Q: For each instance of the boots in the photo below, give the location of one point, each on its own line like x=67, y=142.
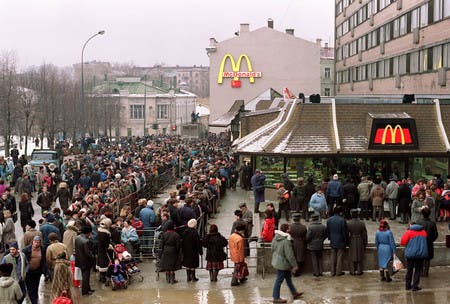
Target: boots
x=167, y=277
x=211, y=275
x=216, y=273
x=172, y=278
x=382, y=277
x=194, y=279
x=388, y=276
x=188, y=275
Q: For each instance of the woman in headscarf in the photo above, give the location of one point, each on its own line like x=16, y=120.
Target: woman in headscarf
x=62, y=281
x=385, y=244
x=103, y=245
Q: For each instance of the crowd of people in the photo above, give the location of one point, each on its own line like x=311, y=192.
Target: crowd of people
x=98, y=200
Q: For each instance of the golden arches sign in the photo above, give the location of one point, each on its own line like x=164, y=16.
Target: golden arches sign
x=393, y=133
x=235, y=67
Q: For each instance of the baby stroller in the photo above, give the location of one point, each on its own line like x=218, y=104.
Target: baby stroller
x=156, y=250
x=128, y=265
x=116, y=273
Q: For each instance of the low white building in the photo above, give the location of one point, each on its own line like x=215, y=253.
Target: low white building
x=144, y=108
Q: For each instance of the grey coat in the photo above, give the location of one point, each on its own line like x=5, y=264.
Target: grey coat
x=316, y=234
x=298, y=234
x=357, y=239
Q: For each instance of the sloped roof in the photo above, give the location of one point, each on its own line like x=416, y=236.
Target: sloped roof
x=114, y=87
x=309, y=130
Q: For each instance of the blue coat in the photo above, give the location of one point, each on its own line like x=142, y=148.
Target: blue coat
x=384, y=241
x=337, y=232
x=147, y=216
x=335, y=189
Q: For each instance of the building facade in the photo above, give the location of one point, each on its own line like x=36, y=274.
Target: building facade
x=246, y=65
x=392, y=47
x=145, y=108
x=326, y=70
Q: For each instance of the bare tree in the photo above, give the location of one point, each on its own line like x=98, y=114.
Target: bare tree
x=27, y=103
x=8, y=95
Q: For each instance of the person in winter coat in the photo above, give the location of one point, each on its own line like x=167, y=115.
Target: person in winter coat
x=9, y=230
x=30, y=233
x=19, y=262
x=214, y=243
x=337, y=233
x=350, y=197
x=364, y=188
x=104, y=248
x=62, y=282
x=316, y=234
x=377, y=195
x=417, y=206
x=334, y=193
x=268, y=229
x=10, y=292
x=318, y=203
x=236, y=245
x=170, y=253
x=299, y=197
x=283, y=260
x=385, y=244
x=129, y=236
x=416, y=251
x=392, y=196
x=69, y=238
x=36, y=260
x=298, y=235
x=258, y=185
x=63, y=196
x=432, y=234
x=192, y=248
x=45, y=201
x=84, y=258
x=26, y=210
x=404, y=202
x=357, y=243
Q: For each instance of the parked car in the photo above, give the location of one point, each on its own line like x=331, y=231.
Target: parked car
x=41, y=156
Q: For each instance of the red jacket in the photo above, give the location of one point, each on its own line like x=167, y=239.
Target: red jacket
x=268, y=230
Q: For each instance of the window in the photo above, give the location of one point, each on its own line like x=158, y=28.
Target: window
x=373, y=71
x=446, y=55
x=339, y=8
x=345, y=51
x=387, y=32
x=136, y=112
x=362, y=44
x=415, y=17
x=353, y=48
x=403, y=25
x=327, y=74
x=446, y=8
x=162, y=111
x=414, y=62
x=437, y=10
x=395, y=66
x=327, y=91
x=345, y=27
x=426, y=60
x=424, y=15
x=396, y=28
x=381, y=69
x=403, y=64
x=437, y=57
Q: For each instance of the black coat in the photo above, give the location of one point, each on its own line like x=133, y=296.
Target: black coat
x=63, y=195
x=84, y=258
x=404, y=199
x=192, y=248
x=298, y=234
x=432, y=235
x=103, y=242
x=214, y=244
x=170, y=254
x=357, y=240
x=26, y=212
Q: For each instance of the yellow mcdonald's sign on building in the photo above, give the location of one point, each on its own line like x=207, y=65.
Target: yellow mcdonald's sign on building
x=235, y=72
x=396, y=135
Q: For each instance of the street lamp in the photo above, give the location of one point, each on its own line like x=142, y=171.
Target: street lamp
x=83, y=123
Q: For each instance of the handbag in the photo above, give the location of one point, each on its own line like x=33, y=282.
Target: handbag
x=397, y=264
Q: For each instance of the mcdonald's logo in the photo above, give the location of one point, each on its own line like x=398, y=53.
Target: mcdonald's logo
x=393, y=136
x=236, y=73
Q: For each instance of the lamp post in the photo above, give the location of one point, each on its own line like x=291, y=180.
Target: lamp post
x=83, y=122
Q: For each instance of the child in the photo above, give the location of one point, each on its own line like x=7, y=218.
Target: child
x=118, y=275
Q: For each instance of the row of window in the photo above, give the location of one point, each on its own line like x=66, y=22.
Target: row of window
x=137, y=111
x=361, y=15
x=426, y=60
x=419, y=17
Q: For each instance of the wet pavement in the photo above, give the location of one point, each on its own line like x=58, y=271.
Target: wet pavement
x=346, y=289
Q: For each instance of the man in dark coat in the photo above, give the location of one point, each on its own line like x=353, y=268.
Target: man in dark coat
x=258, y=180
x=298, y=234
x=432, y=234
x=357, y=243
x=316, y=234
x=170, y=259
x=337, y=233
x=298, y=198
x=350, y=196
x=192, y=248
x=84, y=258
x=44, y=200
x=239, y=221
x=35, y=256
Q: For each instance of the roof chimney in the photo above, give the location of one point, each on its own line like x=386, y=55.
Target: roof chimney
x=245, y=28
x=319, y=41
x=270, y=23
x=290, y=32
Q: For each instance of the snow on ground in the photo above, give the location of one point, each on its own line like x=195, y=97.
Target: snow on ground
x=30, y=147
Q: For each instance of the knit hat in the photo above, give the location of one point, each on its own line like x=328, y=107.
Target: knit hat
x=105, y=223
x=86, y=229
x=150, y=203
x=192, y=223
x=14, y=245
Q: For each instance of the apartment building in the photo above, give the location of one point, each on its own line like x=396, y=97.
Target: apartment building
x=392, y=48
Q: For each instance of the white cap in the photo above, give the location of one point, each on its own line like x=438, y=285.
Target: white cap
x=335, y=176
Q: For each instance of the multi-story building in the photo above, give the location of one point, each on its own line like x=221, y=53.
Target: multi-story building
x=254, y=61
x=326, y=70
x=392, y=48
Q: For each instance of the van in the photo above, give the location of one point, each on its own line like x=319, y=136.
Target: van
x=41, y=156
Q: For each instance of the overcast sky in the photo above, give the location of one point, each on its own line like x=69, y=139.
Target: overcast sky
x=146, y=32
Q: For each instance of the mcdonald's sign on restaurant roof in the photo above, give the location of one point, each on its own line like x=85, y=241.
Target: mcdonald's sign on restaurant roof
x=236, y=72
x=393, y=134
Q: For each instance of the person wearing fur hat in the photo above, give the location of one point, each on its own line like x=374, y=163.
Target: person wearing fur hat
x=192, y=248
x=103, y=246
x=19, y=263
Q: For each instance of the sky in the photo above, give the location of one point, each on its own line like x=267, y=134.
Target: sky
x=146, y=32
